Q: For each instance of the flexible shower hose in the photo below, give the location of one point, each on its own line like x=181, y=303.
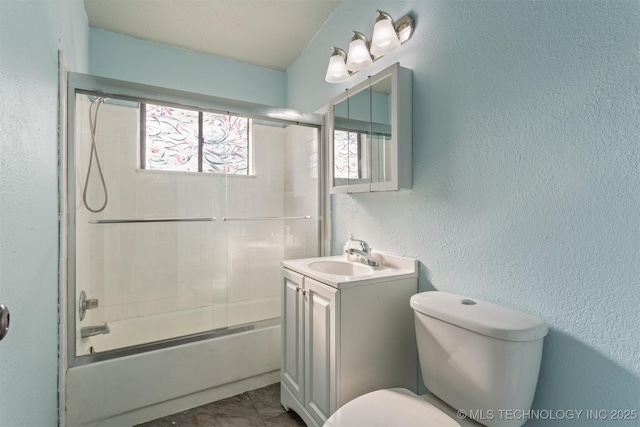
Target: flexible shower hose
x=93, y=123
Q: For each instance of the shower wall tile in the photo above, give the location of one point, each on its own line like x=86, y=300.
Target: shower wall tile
x=252, y=310
x=189, y=272
x=113, y=297
x=127, y=311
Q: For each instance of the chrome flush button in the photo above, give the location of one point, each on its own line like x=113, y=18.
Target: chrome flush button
x=467, y=302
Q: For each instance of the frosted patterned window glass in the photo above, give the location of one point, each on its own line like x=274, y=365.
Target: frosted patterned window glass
x=346, y=154
x=172, y=139
x=226, y=144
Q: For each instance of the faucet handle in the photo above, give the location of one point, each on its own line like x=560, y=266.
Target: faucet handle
x=86, y=304
x=364, y=245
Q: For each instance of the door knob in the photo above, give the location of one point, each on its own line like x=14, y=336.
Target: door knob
x=4, y=321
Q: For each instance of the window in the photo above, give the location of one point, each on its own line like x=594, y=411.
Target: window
x=346, y=154
x=183, y=140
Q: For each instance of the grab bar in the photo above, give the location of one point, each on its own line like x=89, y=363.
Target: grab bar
x=264, y=218
x=89, y=331
x=124, y=221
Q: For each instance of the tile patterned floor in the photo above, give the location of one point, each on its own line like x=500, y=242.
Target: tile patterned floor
x=260, y=408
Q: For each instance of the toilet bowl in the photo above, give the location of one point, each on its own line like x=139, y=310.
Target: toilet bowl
x=398, y=407
x=478, y=359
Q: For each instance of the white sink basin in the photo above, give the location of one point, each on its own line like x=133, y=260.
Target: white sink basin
x=341, y=268
x=336, y=271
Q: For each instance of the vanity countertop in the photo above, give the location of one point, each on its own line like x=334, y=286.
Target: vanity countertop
x=339, y=273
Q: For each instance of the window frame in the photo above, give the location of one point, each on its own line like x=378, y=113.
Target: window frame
x=201, y=140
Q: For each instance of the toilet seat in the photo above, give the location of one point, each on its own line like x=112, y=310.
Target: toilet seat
x=390, y=407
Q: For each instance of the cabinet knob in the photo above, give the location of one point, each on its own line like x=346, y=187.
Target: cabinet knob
x=297, y=288
x=304, y=292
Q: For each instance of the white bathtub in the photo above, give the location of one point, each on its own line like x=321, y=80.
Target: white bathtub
x=137, y=388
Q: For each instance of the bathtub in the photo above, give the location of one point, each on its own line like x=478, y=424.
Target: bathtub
x=139, y=387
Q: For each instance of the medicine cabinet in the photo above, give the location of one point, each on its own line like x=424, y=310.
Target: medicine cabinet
x=370, y=134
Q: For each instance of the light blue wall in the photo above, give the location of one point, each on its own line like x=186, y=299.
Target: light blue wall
x=526, y=160
x=127, y=58
x=31, y=32
x=526, y=172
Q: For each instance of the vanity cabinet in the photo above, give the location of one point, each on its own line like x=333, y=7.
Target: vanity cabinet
x=370, y=134
x=340, y=343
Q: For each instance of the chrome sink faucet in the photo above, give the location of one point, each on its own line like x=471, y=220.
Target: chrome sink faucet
x=365, y=253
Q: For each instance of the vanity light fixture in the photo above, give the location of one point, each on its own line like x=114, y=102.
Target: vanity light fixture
x=388, y=35
x=358, y=56
x=337, y=70
x=385, y=39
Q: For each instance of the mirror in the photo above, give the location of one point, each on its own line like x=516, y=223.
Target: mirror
x=351, y=132
x=380, y=136
x=370, y=134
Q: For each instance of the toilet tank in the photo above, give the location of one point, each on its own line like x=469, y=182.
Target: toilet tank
x=478, y=357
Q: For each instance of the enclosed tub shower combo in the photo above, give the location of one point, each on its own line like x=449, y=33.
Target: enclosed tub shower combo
x=179, y=209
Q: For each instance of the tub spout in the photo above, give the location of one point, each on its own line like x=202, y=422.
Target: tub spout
x=89, y=331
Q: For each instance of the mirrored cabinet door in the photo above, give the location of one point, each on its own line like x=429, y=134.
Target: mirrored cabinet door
x=380, y=137
x=351, y=141
x=371, y=134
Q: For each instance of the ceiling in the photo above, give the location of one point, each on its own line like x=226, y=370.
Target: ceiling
x=267, y=33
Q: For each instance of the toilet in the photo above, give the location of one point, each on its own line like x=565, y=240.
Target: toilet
x=480, y=362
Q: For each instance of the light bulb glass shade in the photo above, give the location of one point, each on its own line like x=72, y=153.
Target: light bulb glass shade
x=337, y=70
x=358, y=56
x=384, y=40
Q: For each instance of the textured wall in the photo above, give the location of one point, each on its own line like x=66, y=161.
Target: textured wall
x=127, y=58
x=31, y=32
x=526, y=161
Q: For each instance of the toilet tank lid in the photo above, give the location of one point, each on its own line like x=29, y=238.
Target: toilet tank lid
x=479, y=316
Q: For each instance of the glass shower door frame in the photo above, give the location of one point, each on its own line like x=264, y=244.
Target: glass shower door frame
x=128, y=91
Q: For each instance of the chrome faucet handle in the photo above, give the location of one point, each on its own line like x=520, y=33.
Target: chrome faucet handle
x=364, y=245
x=85, y=304
x=366, y=256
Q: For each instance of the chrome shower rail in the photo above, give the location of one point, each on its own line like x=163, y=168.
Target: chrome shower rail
x=244, y=218
x=134, y=220
x=263, y=218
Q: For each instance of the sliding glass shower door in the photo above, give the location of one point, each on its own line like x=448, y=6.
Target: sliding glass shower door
x=179, y=218
x=271, y=215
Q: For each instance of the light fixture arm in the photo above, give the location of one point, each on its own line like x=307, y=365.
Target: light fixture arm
x=357, y=35
x=404, y=28
x=338, y=51
x=384, y=15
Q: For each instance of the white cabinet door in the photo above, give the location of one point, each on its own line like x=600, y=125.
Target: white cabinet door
x=293, y=333
x=320, y=349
